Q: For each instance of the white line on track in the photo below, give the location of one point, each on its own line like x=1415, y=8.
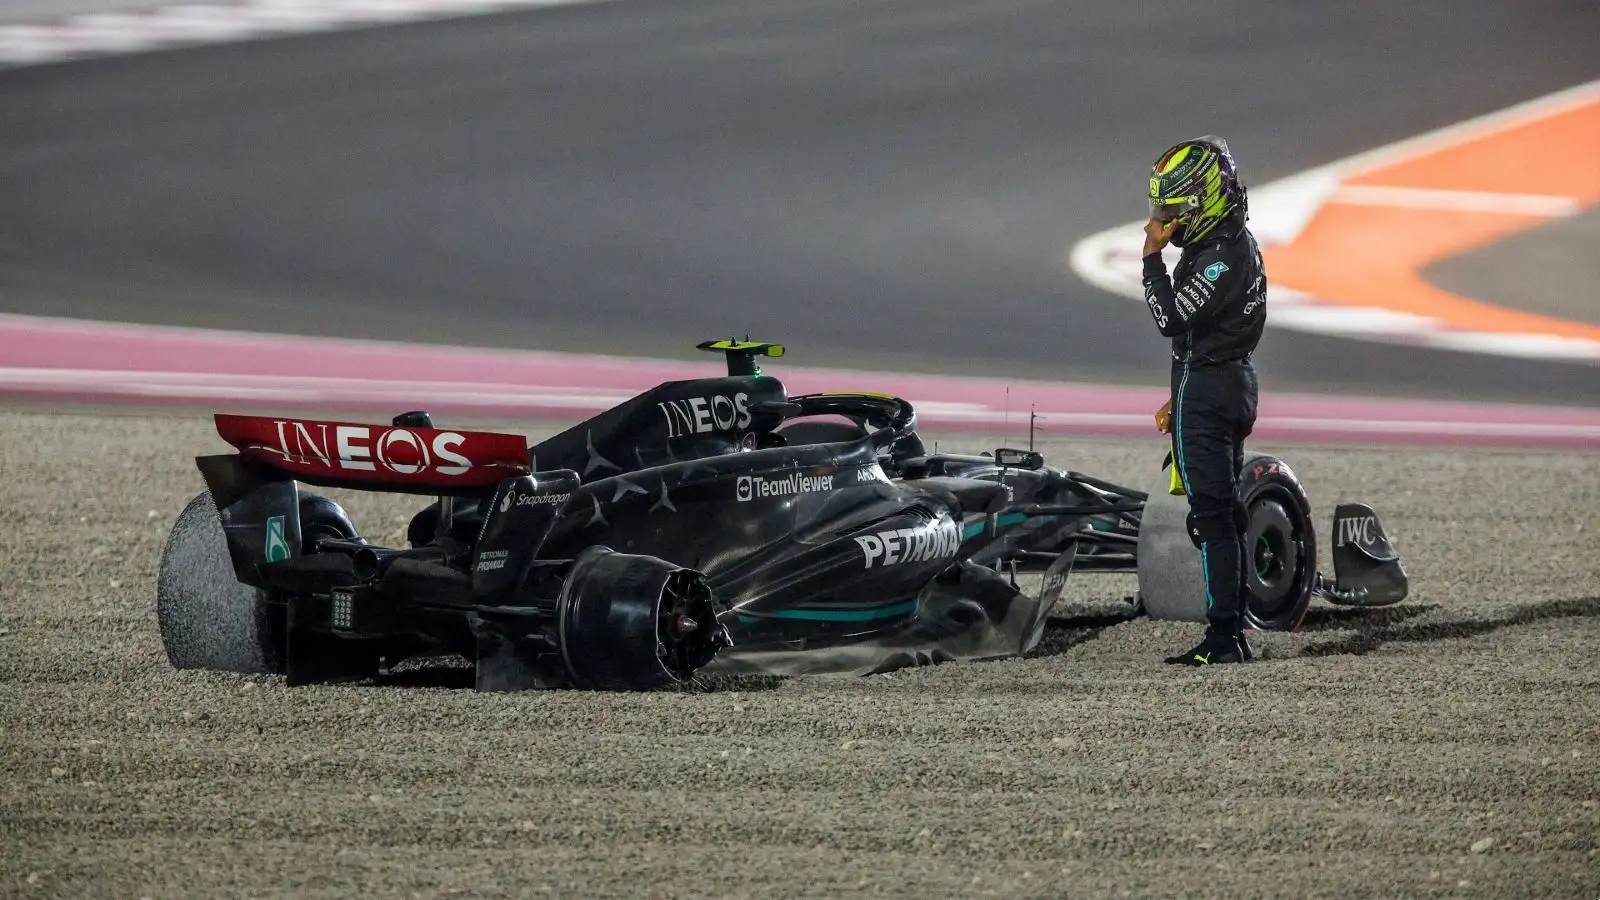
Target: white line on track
x=1110, y=259
x=187, y=25
x=1456, y=201
x=317, y=390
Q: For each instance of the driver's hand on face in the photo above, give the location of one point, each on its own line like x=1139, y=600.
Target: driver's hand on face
x=1157, y=233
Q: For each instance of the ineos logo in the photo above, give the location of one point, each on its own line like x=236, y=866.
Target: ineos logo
x=354, y=447
x=703, y=415
x=385, y=449
x=1155, y=309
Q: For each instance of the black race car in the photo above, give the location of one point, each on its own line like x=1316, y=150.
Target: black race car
x=714, y=524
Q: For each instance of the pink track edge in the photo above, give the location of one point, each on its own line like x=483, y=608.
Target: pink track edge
x=102, y=363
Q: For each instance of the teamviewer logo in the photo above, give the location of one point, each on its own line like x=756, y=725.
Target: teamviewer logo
x=745, y=489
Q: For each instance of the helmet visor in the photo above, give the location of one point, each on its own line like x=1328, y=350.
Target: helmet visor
x=1174, y=208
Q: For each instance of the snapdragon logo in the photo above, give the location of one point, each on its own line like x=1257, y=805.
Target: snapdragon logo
x=754, y=487
x=512, y=498
x=936, y=540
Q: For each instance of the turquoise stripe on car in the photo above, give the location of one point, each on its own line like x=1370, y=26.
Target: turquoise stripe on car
x=898, y=608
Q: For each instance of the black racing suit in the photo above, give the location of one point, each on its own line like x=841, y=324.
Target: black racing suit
x=1214, y=308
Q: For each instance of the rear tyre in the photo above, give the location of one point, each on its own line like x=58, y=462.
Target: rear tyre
x=208, y=619
x=1280, y=551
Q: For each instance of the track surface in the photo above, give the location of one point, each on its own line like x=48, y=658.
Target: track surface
x=894, y=182
x=1560, y=256
x=1445, y=747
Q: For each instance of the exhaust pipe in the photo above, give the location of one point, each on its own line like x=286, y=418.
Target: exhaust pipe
x=370, y=564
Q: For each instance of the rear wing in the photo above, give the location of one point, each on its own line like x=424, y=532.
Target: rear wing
x=257, y=495
x=392, y=458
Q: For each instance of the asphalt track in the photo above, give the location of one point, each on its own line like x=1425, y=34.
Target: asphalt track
x=889, y=184
x=1563, y=252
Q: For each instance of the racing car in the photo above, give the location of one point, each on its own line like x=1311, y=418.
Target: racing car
x=706, y=525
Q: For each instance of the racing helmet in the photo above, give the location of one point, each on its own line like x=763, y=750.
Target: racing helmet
x=1197, y=183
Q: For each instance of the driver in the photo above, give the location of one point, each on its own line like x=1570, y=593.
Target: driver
x=1213, y=307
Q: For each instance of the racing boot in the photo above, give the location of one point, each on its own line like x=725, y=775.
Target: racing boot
x=1214, y=649
x=1246, y=652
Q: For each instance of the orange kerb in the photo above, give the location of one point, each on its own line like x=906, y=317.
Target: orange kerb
x=1372, y=255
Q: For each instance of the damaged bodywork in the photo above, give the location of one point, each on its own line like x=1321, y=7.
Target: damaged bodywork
x=714, y=524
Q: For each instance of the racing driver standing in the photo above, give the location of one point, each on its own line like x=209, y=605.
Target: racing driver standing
x=1213, y=307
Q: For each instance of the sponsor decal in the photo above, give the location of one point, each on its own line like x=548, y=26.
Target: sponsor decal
x=277, y=549
x=935, y=540
x=871, y=475
x=1361, y=531
x=515, y=499
x=371, y=449
x=541, y=499
x=490, y=560
x=755, y=487
x=704, y=415
x=1155, y=308
x=1186, y=302
x=1215, y=270
x=1053, y=581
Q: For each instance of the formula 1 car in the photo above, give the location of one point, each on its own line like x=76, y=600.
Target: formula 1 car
x=705, y=525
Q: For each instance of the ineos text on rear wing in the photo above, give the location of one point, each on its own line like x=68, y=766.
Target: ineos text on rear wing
x=378, y=457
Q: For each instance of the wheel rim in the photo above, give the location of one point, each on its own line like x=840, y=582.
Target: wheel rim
x=688, y=633
x=1278, y=565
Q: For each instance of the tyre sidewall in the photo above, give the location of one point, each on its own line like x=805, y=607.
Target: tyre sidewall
x=207, y=618
x=1265, y=477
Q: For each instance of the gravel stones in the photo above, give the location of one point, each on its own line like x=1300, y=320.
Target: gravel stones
x=1441, y=747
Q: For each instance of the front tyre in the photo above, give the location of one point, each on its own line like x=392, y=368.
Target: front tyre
x=1280, y=558
x=208, y=619
x=1280, y=546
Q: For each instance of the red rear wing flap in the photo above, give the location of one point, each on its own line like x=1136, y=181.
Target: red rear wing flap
x=377, y=455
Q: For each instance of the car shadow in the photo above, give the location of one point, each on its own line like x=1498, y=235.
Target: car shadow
x=724, y=684
x=1064, y=633
x=1370, y=635
x=460, y=676
x=1346, y=617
